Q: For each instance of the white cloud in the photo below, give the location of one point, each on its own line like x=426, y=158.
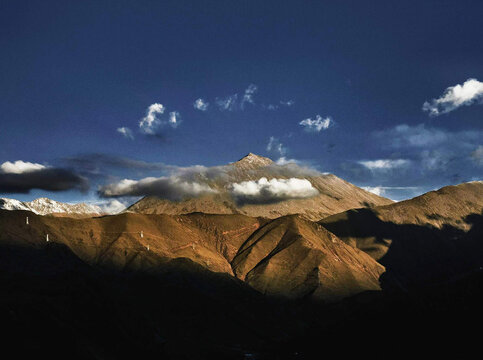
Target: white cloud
x=287, y=103
x=268, y=191
x=20, y=167
x=477, y=155
x=174, y=119
x=284, y=161
x=388, y=190
x=113, y=206
x=248, y=96
x=455, y=96
x=171, y=188
x=201, y=104
x=275, y=145
x=317, y=124
x=384, y=164
x=228, y=103
x=126, y=132
x=378, y=190
x=151, y=120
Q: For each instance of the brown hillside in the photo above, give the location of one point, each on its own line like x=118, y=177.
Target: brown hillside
x=335, y=194
x=421, y=239
x=289, y=256
x=293, y=257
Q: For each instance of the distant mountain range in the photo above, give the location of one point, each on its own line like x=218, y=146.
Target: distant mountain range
x=45, y=206
x=195, y=283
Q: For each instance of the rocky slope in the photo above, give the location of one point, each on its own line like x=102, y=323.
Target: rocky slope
x=334, y=194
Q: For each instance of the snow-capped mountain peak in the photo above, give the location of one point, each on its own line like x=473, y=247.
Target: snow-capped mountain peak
x=44, y=206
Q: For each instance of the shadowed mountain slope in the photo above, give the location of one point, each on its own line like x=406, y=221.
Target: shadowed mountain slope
x=295, y=258
x=433, y=237
x=288, y=257
x=335, y=195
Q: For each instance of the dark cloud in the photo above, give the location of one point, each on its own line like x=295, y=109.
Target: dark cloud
x=171, y=188
x=50, y=179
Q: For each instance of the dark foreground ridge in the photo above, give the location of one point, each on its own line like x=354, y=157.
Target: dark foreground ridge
x=235, y=287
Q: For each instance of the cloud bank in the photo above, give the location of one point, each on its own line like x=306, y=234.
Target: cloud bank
x=470, y=92
x=264, y=191
x=171, y=188
x=22, y=177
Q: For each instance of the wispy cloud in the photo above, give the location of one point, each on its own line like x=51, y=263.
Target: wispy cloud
x=318, y=124
x=174, y=119
x=477, y=155
x=274, y=145
x=470, y=92
x=228, y=103
x=384, y=164
x=201, y=104
x=126, y=132
x=384, y=190
x=248, y=95
x=287, y=103
x=263, y=191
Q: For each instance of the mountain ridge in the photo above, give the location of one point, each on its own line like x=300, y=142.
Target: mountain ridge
x=334, y=194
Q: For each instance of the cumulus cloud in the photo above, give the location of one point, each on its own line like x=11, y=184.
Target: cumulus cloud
x=171, y=188
x=384, y=164
x=274, y=145
x=201, y=104
x=151, y=120
x=22, y=177
x=263, y=191
x=318, y=124
x=154, y=120
x=126, y=132
x=477, y=155
x=19, y=167
x=470, y=92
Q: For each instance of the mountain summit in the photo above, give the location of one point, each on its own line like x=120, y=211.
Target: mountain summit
x=257, y=186
x=253, y=161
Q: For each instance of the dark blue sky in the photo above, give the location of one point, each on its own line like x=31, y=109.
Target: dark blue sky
x=72, y=73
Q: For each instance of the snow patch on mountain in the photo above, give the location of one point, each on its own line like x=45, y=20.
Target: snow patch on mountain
x=44, y=206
